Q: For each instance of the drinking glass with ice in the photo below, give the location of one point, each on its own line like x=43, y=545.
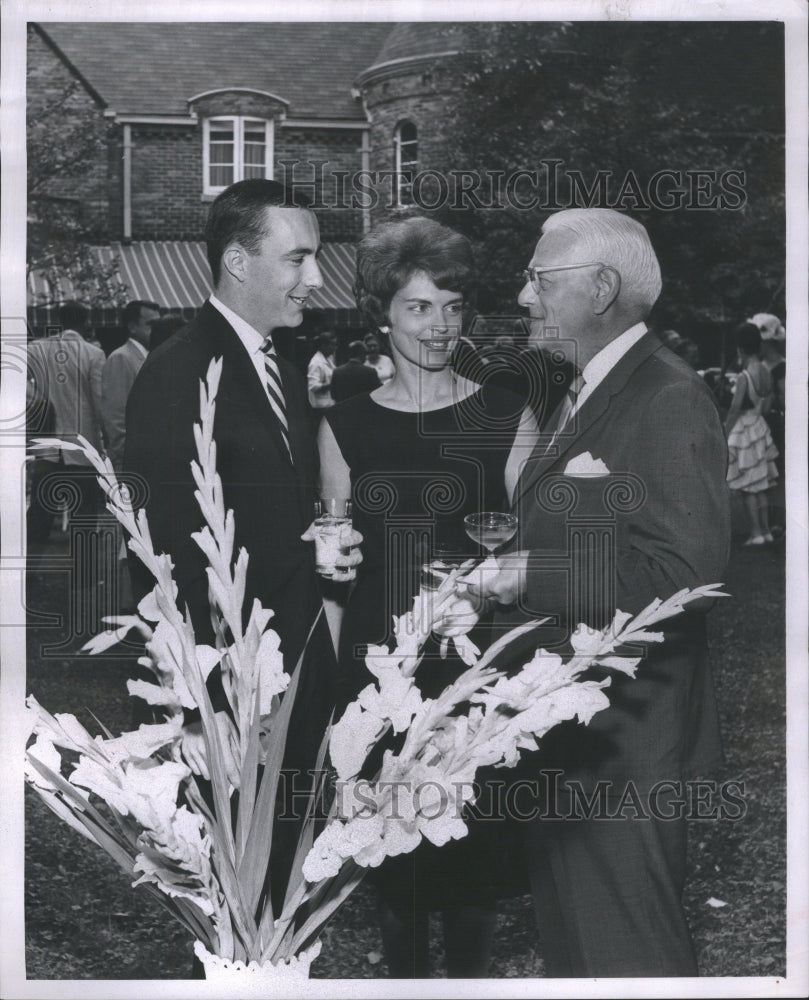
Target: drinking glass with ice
x=331, y=527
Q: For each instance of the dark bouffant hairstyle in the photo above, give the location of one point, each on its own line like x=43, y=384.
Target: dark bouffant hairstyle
x=394, y=251
x=748, y=338
x=237, y=216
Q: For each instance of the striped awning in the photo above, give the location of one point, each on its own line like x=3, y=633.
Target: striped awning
x=176, y=275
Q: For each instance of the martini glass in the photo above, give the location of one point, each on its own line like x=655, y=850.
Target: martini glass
x=491, y=528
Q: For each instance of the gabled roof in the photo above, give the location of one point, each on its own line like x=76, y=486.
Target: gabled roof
x=154, y=68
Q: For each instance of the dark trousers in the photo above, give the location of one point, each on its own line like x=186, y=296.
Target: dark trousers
x=54, y=486
x=608, y=895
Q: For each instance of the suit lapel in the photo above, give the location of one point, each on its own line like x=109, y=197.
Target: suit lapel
x=544, y=459
x=135, y=355
x=228, y=344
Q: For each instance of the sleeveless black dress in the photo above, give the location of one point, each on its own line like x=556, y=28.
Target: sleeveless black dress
x=414, y=477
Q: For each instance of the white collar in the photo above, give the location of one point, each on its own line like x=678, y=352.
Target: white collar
x=599, y=366
x=247, y=334
x=139, y=346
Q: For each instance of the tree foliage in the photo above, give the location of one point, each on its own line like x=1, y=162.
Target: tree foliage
x=619, y=103
x=65, y=141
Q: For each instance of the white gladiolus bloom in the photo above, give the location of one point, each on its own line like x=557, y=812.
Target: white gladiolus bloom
x=324, y=860
x=154, y=694
x=270, y=670
x=46, y=753
x=149, y=607
x=142, y=742
x=397, y=699
x=351, y=738
x=166, y=657
x=170, y=883
x=151, y=791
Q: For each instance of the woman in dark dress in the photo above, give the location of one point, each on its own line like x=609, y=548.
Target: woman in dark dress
x=416, y=456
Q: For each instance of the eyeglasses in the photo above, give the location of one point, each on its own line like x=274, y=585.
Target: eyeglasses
x=532, y=274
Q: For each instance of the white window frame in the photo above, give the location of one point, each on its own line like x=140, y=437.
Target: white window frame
x=404, y=190
x=238, y=122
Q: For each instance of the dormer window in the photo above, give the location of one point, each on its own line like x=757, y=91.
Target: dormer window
x=405, y=161
x=235, y=149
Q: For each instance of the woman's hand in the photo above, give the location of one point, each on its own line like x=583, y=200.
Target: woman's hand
x=497, y=580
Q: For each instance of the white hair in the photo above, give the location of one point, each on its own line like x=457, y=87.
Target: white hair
x=602, y=234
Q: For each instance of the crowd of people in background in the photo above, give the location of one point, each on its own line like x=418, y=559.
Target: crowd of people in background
x=73, y=389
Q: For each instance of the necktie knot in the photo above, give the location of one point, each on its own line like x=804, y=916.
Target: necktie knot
x=268, y=348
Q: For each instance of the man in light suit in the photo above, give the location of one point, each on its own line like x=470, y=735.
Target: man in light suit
x=66, y=371
x=608, y=886
x=120, y=371
x=262, y=242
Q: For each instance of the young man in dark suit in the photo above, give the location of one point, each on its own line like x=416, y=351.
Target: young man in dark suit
x=623, y=500
x=262, y=242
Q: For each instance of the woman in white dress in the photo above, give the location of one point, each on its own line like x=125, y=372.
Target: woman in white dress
x=751, y=451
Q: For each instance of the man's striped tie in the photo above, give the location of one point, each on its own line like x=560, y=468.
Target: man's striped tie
x=275, y=390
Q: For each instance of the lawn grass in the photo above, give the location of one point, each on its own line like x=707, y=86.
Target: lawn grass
x=83, y=921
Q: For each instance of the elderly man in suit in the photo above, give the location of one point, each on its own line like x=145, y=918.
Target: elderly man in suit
x=120, y=370
x=262, y=243
x=607, y=881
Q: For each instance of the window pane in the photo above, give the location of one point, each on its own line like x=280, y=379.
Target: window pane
x=221, y=152
x=221, y=176
x=254, y=131
x=407, y=150
x=254, y=154
x=221, y=131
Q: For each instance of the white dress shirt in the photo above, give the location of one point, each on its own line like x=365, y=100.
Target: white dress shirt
x=318, y=375
x=253, y=341
x=598, y=367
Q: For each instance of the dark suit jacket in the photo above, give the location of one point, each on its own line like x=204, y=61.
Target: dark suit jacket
x=659, y=522
x=272, y=500
x=352, y=379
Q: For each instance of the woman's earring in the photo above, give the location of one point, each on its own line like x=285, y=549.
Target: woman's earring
x=384, y=329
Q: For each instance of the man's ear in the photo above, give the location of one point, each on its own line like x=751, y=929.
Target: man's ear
x=234, y=261
x=608, y=288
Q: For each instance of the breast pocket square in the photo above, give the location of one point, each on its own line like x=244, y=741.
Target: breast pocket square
x=586, y=465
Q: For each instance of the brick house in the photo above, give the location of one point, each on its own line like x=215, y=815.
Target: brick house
x=184, y=109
